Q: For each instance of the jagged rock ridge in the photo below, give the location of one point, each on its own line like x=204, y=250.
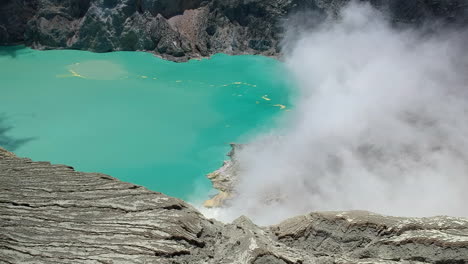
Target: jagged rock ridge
x=53, y=214
x=183, y=29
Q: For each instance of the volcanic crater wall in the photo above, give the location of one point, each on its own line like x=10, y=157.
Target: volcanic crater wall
x=183, y=29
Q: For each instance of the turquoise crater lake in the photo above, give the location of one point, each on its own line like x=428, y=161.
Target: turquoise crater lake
x=144, y=120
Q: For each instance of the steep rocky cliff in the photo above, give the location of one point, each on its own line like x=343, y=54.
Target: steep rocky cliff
x=53, y=214
x=181, y=29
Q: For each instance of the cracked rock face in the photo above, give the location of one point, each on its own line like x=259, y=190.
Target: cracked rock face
x=53, y=214
x=182, y=29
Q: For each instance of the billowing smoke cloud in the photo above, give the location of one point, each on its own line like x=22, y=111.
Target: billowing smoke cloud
x=381, y=124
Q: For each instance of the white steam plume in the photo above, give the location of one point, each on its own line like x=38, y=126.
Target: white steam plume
x=381, y=124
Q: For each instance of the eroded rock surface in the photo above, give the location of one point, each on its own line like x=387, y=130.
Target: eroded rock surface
x=183, y=29
x=53, y=214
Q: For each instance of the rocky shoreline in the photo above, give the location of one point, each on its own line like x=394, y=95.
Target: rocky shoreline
x=224, y=179
x=53, y=214
x=179, y=30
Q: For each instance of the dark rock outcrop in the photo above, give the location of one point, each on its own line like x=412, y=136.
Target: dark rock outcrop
x=14, y=16
x=53, y=214
x=182, y=29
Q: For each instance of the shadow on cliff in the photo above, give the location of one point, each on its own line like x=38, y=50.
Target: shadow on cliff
x=7, y=141
x=11, y=51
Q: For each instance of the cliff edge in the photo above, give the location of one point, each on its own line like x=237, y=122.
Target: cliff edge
x=53, y=214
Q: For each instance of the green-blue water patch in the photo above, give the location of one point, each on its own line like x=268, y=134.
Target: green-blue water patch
x=152, y=122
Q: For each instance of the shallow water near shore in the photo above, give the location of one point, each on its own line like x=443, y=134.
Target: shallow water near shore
x=139, y=118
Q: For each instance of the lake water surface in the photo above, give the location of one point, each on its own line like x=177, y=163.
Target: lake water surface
x=139, y=118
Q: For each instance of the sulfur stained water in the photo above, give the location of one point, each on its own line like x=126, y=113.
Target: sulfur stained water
x=144, y=120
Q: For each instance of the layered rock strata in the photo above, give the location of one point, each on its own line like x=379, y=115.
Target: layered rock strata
x=53, y=214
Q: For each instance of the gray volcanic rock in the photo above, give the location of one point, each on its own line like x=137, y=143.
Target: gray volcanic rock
x=53, y=214
x=183, y=29
x=363, y=235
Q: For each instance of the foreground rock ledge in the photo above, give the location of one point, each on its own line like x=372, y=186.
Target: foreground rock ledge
x=52, y=214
